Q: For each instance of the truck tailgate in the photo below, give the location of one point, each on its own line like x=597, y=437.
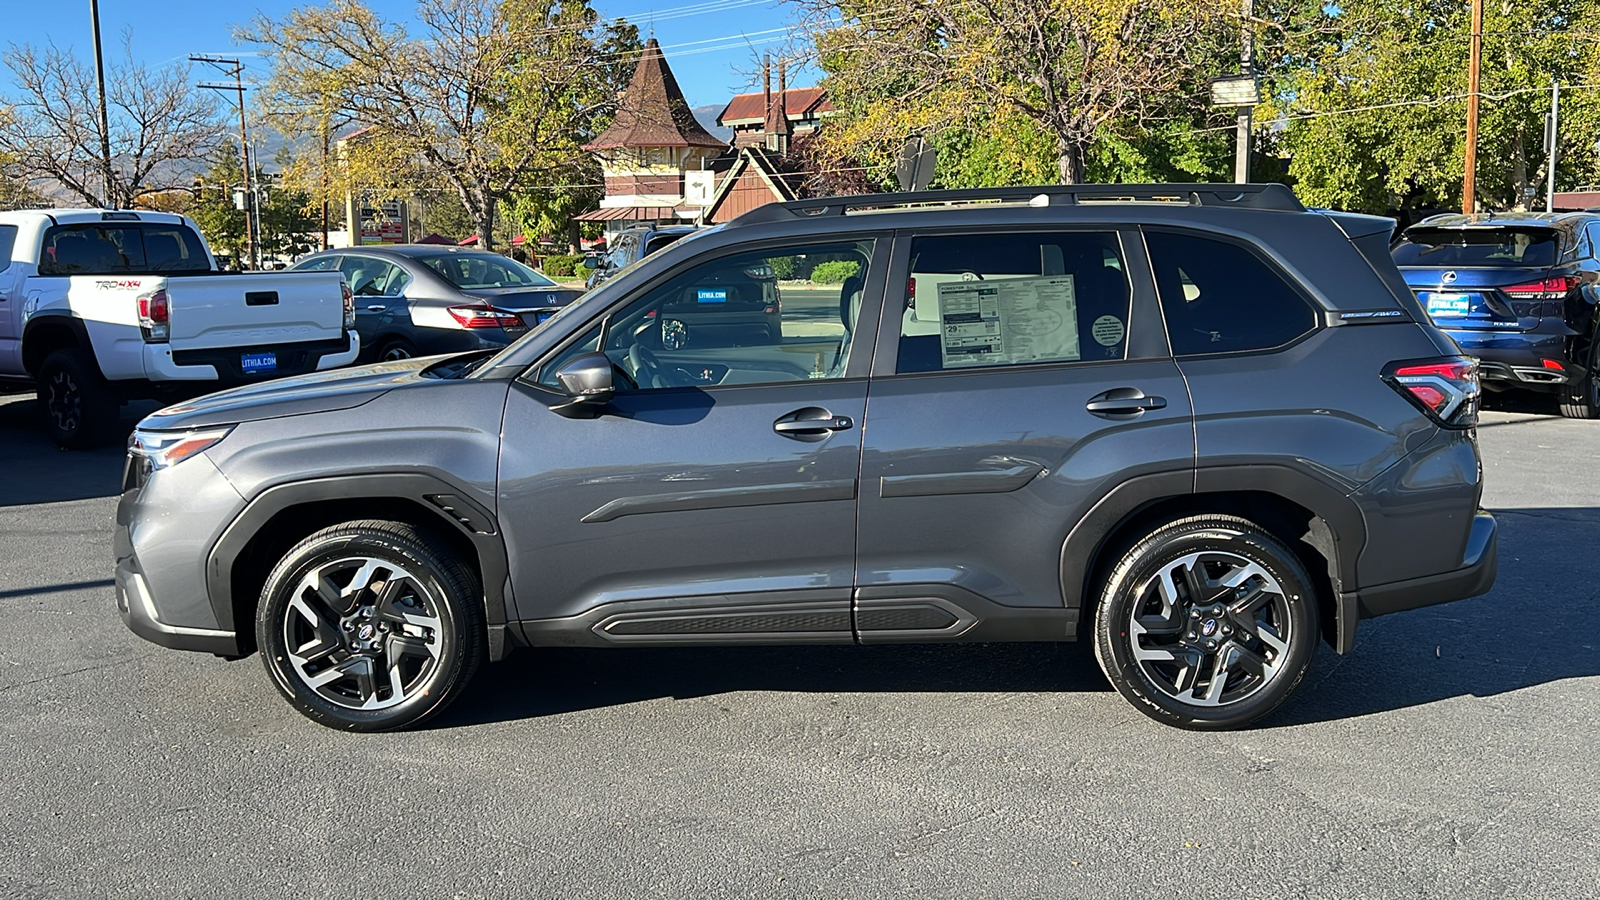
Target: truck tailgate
x=257, y=309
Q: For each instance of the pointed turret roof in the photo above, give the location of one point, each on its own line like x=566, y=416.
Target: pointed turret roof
x=652, y=111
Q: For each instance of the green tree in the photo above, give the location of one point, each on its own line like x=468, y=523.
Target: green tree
x=1006, y=81
x=1370, y=96
x=289, y=227
x=491, y=99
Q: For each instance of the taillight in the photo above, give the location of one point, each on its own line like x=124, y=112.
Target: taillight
x=1446, y=389
x=1555, y=288
x=484, y=317
x=911, y=293
x=349, y=304
x=155, y=316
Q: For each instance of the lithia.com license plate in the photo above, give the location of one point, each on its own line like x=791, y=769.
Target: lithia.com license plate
x=1449, y=305
x=255, y=363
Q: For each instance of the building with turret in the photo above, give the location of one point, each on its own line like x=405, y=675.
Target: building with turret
x=656, y=157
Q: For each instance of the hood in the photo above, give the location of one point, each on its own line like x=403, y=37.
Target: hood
x=317, y=392
x=519, y=299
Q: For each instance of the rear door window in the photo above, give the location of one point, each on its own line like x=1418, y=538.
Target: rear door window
x=1470, y=247
x=1220, y=297
x=1010, y=299
x=122, y=248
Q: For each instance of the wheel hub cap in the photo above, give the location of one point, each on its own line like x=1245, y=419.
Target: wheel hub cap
x=363, y=633
x=1210, y=629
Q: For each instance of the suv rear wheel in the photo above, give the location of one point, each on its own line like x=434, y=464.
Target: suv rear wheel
x=1208, y=623
x=364, y=626
x=1581, y=398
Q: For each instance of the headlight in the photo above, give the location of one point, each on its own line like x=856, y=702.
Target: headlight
x=168, y=448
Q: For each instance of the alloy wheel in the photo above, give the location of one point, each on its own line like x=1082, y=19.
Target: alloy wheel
x=363, y=633
x=65, y=401
x=1210, y=629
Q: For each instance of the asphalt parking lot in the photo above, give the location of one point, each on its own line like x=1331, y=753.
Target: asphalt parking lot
x=1453, y=754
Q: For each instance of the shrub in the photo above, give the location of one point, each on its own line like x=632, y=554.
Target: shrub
x=834, y=272
x=562, y=265
x=782, y=266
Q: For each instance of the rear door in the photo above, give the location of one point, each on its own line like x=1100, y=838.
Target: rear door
x=1020, y=375
x=11, y=283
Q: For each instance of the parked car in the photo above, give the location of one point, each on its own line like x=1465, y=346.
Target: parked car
x=98, y=307
x=1518, y=291
x=1203, y=431
x=630, y=246
x=424, y=299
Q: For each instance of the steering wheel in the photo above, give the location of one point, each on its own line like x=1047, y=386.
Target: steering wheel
x=646, y=368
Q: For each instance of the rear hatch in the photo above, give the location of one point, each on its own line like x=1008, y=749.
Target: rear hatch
x=254, y=310
x=1488, y=276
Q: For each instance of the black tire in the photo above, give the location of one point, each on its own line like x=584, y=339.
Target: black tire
x=1162, y=652
x=79, y=409
x=1581, y=398
x=395, y=350
x=338, y=655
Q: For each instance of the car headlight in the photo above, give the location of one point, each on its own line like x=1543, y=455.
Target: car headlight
x=161, y=449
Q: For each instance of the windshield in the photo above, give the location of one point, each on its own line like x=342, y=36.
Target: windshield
x=1467, y=247
x=484, y=270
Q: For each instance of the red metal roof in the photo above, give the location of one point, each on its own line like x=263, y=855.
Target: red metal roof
x=652, y=111
x=800, y=102
x=632, y=213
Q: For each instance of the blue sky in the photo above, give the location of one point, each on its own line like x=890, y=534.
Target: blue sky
x=707, y=42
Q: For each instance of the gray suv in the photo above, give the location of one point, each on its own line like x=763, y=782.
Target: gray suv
x=1198, y=426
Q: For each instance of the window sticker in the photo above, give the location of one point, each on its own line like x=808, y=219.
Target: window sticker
x=1107, y=331
x=1008, y=321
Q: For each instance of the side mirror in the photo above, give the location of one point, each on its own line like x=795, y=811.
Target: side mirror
x=591, y=262
x=589, y=383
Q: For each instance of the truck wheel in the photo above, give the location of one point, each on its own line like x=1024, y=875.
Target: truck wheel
x=79, y=409
x=1208, y=623
x=370, y=626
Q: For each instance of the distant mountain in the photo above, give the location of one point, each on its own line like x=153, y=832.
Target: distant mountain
x=707, y=117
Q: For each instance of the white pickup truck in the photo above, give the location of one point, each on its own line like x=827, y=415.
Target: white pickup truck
x=98, y=307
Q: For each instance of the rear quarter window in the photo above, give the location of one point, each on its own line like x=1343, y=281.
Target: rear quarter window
x=1220, y=297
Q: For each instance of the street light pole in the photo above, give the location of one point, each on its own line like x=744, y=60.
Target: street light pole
x=106, y=172
x=1552, y=141
x=1474, y=64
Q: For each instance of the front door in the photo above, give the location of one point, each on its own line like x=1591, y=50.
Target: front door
x=715, y=498
x=11, y=298
x=1022, y=377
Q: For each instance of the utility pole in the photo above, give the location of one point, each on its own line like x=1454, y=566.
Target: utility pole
x=106, y=172
x=1551, y=139
x=236, y=68
x=1247, y=40
x=1474, y=64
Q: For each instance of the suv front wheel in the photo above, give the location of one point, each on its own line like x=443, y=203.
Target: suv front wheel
x=365, y=627
x=1207, y=623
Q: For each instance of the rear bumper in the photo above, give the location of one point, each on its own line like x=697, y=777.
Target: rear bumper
x=1517, y=358
x=1476, y=576
x=222, y=365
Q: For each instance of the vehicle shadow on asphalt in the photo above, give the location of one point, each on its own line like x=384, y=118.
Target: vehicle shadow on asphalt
x=34, y=470
x=1535, y=627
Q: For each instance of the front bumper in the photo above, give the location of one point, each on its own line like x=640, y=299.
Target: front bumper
x=139, y=614
x=164, y=529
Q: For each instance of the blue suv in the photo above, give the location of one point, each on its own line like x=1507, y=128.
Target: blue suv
x=1517, y=291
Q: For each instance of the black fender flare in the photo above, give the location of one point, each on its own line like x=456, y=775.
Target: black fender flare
x=452, y=505
x=1341, y=518
x=55, y=319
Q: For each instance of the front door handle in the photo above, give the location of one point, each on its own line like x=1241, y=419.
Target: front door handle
x=812, y=423
x=1123, y=403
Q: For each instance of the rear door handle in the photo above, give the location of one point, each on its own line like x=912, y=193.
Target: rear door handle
x=813, y=423
x=376, y=308
x=1123, y=403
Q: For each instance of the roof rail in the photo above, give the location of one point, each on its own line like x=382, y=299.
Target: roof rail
x=1238, y=196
